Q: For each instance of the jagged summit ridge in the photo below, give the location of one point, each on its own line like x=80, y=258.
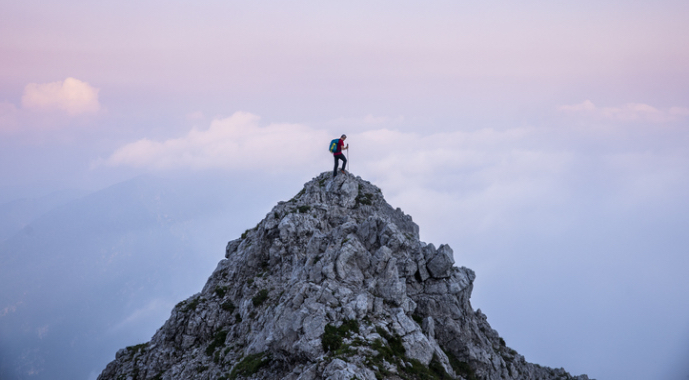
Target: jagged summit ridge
x=333, y=284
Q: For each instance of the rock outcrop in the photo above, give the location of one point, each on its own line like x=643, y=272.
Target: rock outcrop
x=333, y=284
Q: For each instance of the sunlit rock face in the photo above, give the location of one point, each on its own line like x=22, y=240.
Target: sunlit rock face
x=332, y=284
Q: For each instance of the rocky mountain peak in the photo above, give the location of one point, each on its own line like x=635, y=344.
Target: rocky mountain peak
x=332, y=284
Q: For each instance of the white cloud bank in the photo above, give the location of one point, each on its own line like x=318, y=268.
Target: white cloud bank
x=237, y=142
x=496, y=176
x=486, y=175
x=71, y=96
x=50, y=106
x=630, y=112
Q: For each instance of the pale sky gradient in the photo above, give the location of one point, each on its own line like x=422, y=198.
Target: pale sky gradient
x=545, y=142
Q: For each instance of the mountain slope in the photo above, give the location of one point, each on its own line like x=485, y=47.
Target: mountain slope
x=18, y=213
x=332, y=284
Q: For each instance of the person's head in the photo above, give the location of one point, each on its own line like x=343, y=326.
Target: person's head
x=343, y=137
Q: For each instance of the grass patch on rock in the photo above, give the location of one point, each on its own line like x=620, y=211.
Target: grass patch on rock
x=220, y=291
x=333, y=336
x=363, y=198
x=250, y=365
x=460, y=367
x=394, y=348
x=391, y=351
x=227, y=306
x=260, y=298
x=137, y=348
x=187, y=306
x=418, y=371
x=218, y=341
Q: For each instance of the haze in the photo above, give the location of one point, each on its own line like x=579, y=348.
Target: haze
x=546, y=143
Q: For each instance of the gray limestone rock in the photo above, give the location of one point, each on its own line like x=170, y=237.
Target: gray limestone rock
x=440, y=263
x=333, y=284
x=232, y=247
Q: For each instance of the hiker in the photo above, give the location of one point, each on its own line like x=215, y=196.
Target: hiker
x=337, y=154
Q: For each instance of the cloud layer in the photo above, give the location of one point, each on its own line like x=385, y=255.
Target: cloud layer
x=499, y=176
x=71, y=96
x=237, y=142
x=50, y=106
x=630, y=112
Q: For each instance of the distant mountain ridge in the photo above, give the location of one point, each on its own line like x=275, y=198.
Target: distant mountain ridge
x=333, y=284
x=17, y=214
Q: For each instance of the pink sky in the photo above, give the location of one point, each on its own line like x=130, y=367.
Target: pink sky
x=482, y=120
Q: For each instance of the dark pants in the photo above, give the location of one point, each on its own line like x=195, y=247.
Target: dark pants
x=339, y=156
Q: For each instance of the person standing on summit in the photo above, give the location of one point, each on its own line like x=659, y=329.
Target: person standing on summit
x=337, y=153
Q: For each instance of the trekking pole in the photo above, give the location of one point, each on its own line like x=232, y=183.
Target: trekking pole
x=349, y=164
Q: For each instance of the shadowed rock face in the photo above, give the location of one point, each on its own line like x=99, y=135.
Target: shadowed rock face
x=333, y=284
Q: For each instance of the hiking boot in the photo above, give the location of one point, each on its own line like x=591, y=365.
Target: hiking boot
x=343, y=172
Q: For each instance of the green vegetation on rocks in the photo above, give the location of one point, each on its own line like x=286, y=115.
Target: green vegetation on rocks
x=187, y=306
x=259, y=298
x=218, y=341
x=228, y=306
x=220, y=291
x=333, y=336
x=250, y=365
x=461, y=368
x=363, y=198
x=135, y=349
